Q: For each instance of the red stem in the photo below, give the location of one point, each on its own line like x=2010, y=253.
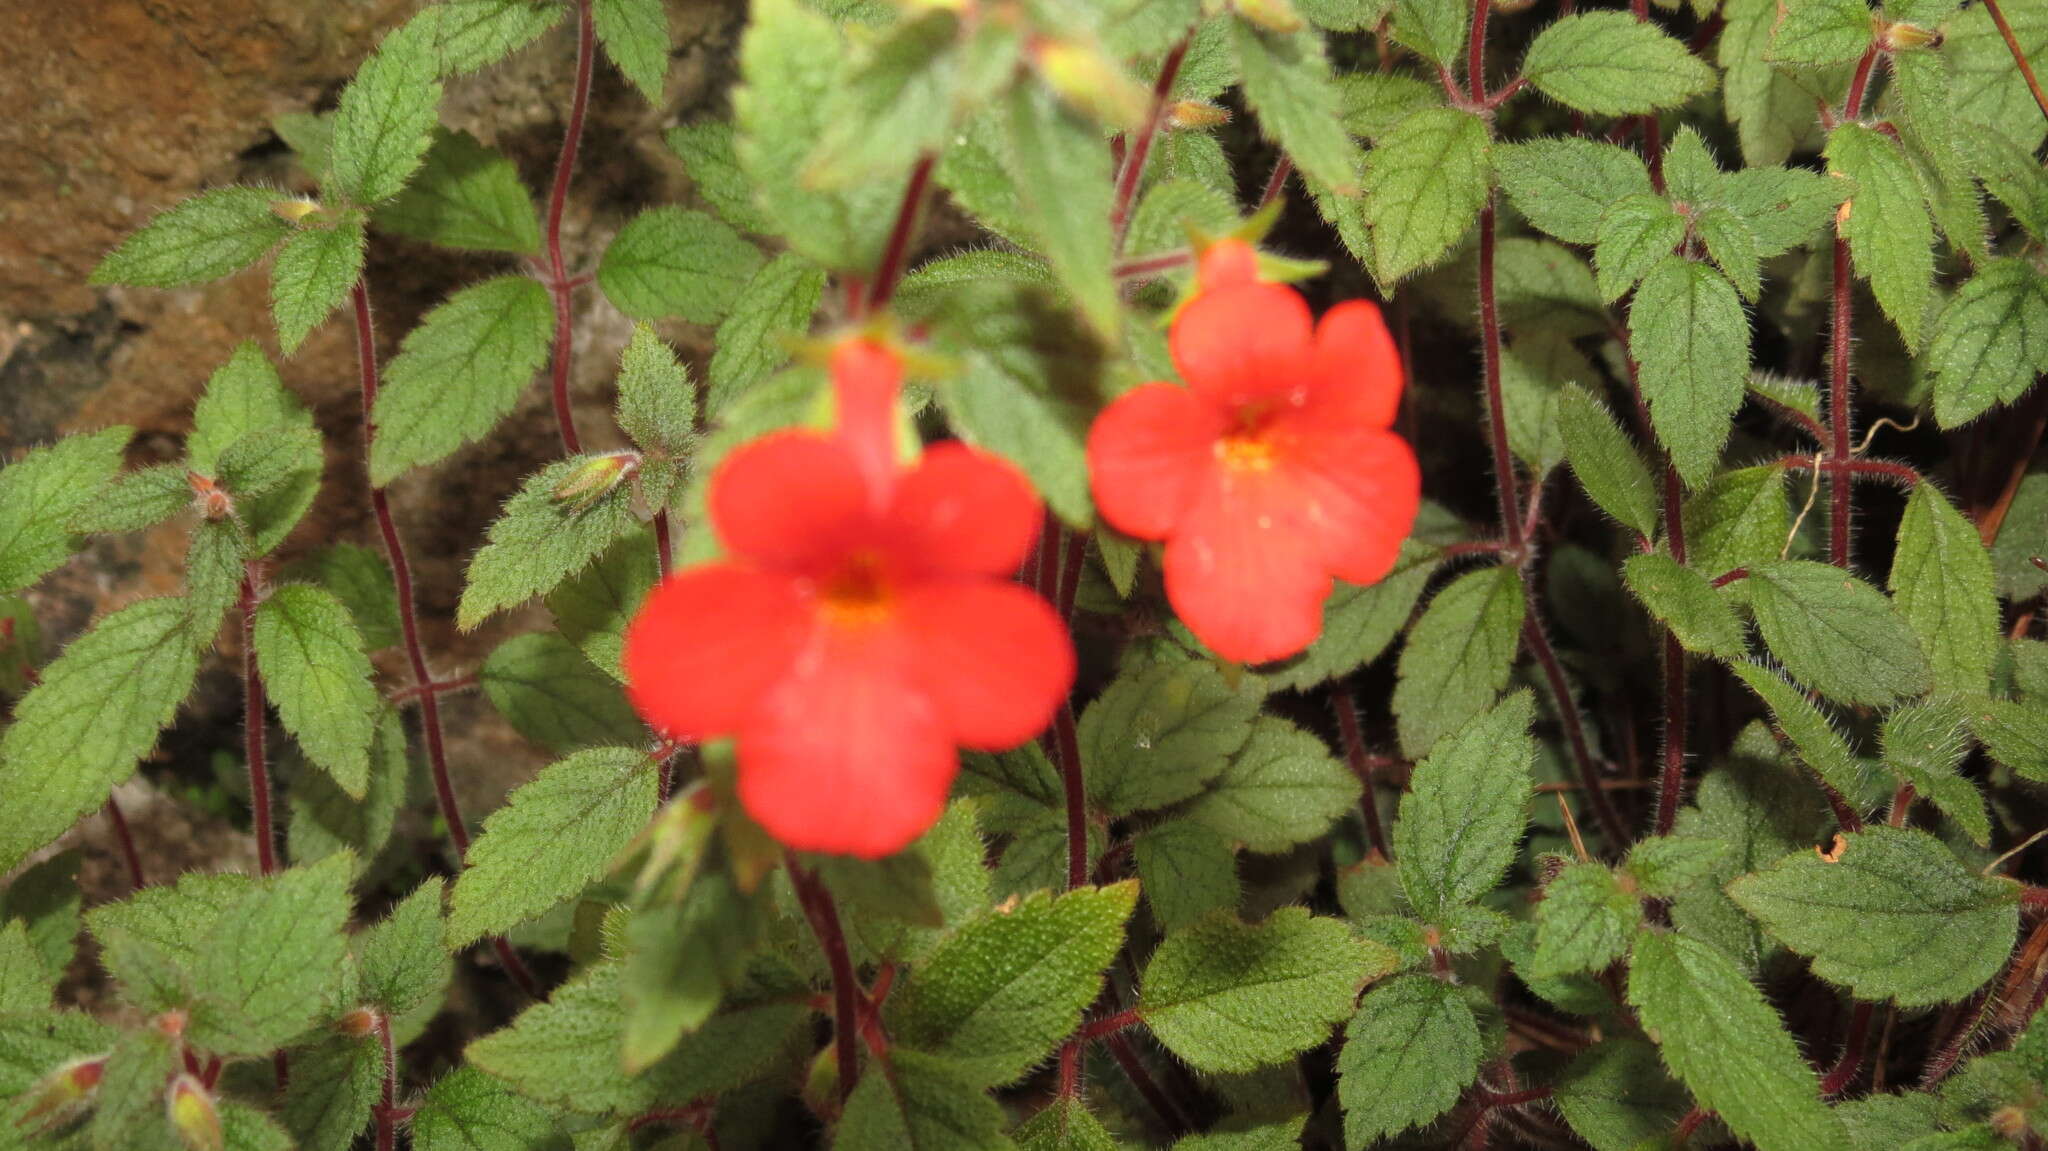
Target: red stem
x=1109, y=1025
x=558, y=200
x=387, y=1125
x=1170, y=1115
x=1277, y=182
x=1840, y=414
x=252, y=734
x=1489, y=326
x=1141, y=148
x=1475, y=54
x=1069, y=744
x=1147, y=267
x=890, y=271
x=1361, y=766
x=1071, y=564
x=2012, y=43
x=1844, y=1072
x=664, y=547
x=823, y=915
x=1574, y=727
x=125, y=839
x=1676, y=697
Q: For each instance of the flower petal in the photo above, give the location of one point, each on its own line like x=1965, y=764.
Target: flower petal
x=992, y=657
x=1355, y=492
x=1356, y=365
x=1148, y=455
x=790, y=499
x=708, y=645
x=866, y=379
x=846, y=756
x=960, y=510
x=1241, y=574
x=1243, y=344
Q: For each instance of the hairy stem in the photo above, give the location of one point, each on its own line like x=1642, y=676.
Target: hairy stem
x=1844, y=1071
x=125, y=839
x=387, y=1110
x=1361, y=766
x=1538, y=644
x=1069, y=743
x=1140, y=151
x=1676, y=697
x=823, y=916
x=558, y=200
x=252, y=733
x=1489, y=345
x=1171, y=1117
x=1839, y=414
x=896, y=254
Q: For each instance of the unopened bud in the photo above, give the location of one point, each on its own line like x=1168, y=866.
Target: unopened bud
x=63, y=1094
x=1271, y=15
x=193, y=1113
x=673, y=846
x=1196, y=114
x=820, y=1091
x=1087, y=80
x=1907, y=37
x=210, y=498
x=358, y=1023
x=596, y=478
x=171, y=1024
x=294, y=210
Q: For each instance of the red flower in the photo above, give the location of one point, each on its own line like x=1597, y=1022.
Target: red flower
x=863, y=628
x=1272, y=471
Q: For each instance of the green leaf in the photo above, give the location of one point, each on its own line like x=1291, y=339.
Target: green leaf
x=1731, y=245
x=467, y=1110
x=1424, y=186
x=245, y=398
x=555, y=696
x=465, y=196
x=706, y=149
x=312, y=660
x=459, y=372
x=562, y=1052
x=1284, y=1135
x=1891, y=238
x=1813, y=33
x=1584, y=923
x=1783, y=207
x=214, y=234
x=1925, y=745
x=1564, y=185
x=1990, y=342
x=904, y=83
x=1065, y=188
x=1616, y=1095
x=1359, y=622
x=97, y=711
x=772, y=312
x=333, y=1086
x=1466, y=805
x=635, y=35
x=312, y=275
x=1161, y=731
x=1187, y=869
x=1408, y=1054
x=1611, y=64
x=1636, y=233
x=1606, y=462
x=552, y=837
x=895, y=887
x=45, y=899
x=2009, y=174
x=670, y=262
x=1064, y=1125
x=1286, y=79
x=25, y=983
x=386, y=116
x=1772, y=113
x=1281, y=788
x=922, y=1103
x=471, y=34
x=2023, y=536
x=1458, y=656
x=1941, y=583
x=128, y=1107
x=44, y=491
x=361, y=580
x=1685, y=602
x=1369, y=103
x=1739, y=519
x=325, y=819
x=214, y=570
x=289, y=949
x=261, y=463
x=134, y=501
x=1893, y=915
x=547, y=533
x=1836, y=634
x=1435, y=29
x=1228, y=996
x=593, y=607
x=1688, y=331
x=998, y=995
x=1818, y=743
x=400, y=963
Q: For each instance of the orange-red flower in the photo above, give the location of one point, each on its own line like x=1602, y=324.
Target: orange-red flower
x=1274, y=470
x=863, y=629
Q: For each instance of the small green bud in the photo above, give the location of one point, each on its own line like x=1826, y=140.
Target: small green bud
x=63, y=1094
x=194, y=1114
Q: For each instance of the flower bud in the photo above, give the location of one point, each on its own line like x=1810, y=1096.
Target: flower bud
x=596, y=478
x=358, y=1023
x=672, y=847
x=1271, y=15
x=211, y=500
x=193, y=1113
x=294, y=210
x=1907, y=37
x=63, y=1094
x=1087, y=80
x=821, y=1084
x=1196, y=114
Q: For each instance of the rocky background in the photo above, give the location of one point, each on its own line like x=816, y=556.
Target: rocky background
x=111, y=110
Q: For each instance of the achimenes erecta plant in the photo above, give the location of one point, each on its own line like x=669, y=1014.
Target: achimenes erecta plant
x=1018, y=695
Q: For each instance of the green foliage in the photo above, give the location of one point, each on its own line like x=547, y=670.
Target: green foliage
x=1409, y=1052
x=312, y=660
x=1635, y=234
x=1458, y=655
x=1287, y=82
x=467, y=1110
x=1565, y=185
x=471, y=34
x=1814, y=33
x=1065, y=190
x=1990, y=341
x=1941, y=583
x=922, y=1104
x=1812, y=735
x=1465, y=810
x=1891, y=238
x=43, y=492
x=1606, y=463
x=1612, y=64
x=314, y=270
x=1281, y=788
x=1230, y=996
x=465, y=196
x=770, y=313
x=635, y=35
x=1686, y=603
x=214, y=234
x=1617, y=1097
x=1688, y=330
x=385, y=120
x=671, y=262
x=1585, y=922
x=1424, y=185
x=1160, y=732
x=1835, y=633
x=563, y=517
x=1187, y=870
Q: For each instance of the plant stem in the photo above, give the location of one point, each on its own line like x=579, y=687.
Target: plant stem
x=1069, y=743
x=1475, y=52
x=409, y=624
x=1169, y=1113
x=1839, y=413
x=823, y=915
x=252, y=734
x=1140, y=151
x=897, y=253
x=1574, y=727
x=1489, y=344
x=1361, y=766
x=1277, y=182
x=2019, y=57
x=387, y=1111
x=664, y=547
x=1676, y=697
x=558, y=200
x=1075, y=558
x=126, y=841
x=1844, y=1072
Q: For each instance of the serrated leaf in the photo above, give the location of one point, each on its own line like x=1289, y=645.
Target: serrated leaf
x=1563, y=185
x=44, y=898
x=1783, y=208
x=1435, y=29
x=1065, y=190
x=670, y=262
x=1893, y=915
x=999, y=994
x=325, y=819
x=1369, y=103
x=400, y=963
x=312, y=660
x=1465, y=810
x=635, y=36
x=1287, y=81
x=902, y=85
x=332, y=1088
x=1064, y=1125
x=1585, y=922
x=1161, y=731
x=134, y=501
x=465, y=196
x=1990, y=342
x=1408, y=1054
x=1732, y=247
x=96, y=712
x=1606, y=462
x=593, y=607
x=657, y=406
x=552, y=837
x=467, y=1110
x=26, y=984
x=43, y=492
x=1616, y=1095
x=312, y=275
x=1836, y=634
x=1813, y=33
x=385, y=119
x=1281, y=788
x=467, y=35
x=244, y=398
x=921, y=1104
x=1360, y=622
x=1229, y=996
x=459, y=372
x=1925, y=744
x=1739, y=519
x=1685, y=602
x=541, y=539
x=1458, y=656
x=361, y=580
x=1773, y=115
x=289, y=948
x=546, y=1053
x=1424, y=185
x=1941, y=583
x=1187, y=870
x=553, y=695
x=1815, y=738
x=706, y=149
x=767, y=318
x=1715, y=1030
x=2009, y=174
x=1636, y=233
x=214, y=234
x=1891, y=237
x=214, y=570
x=1611, y=64
x=1688, y=331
